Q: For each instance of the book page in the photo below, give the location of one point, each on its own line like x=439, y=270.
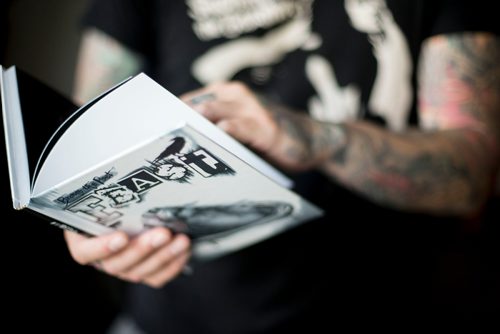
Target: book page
x=134, y=112
x=186, y=182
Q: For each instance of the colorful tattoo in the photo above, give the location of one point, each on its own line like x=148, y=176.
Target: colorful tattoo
x=447, y=166
x=103, y=62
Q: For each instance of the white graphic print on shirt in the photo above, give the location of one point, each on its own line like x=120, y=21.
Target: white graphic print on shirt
x=391, y=96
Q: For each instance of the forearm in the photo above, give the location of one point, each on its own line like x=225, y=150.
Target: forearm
x=442, y=172
x=445, y=167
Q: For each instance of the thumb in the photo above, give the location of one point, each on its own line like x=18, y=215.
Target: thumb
x=85, y=250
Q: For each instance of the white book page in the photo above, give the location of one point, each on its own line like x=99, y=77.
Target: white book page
x=183, y=181
x=135, y=112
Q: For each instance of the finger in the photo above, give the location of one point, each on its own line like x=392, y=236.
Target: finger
x=202, y=98
x=248, y=132
x=138, y=249
x=218, y=110
x=87, y=250
x=222, y=90
x=235, y=128
x=160, y=259
x=191, y=97
x=163, y=276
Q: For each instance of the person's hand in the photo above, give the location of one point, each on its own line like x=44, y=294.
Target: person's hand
x=235, y=109
x=293, y=141
x=154, y=257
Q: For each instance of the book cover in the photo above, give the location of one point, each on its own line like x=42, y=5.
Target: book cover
x=137, y=157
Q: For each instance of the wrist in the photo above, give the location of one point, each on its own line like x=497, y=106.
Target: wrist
x=287, y=151
x=302, y=143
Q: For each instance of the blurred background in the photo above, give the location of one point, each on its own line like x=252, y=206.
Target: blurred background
x=42, y=38
x=44, y=288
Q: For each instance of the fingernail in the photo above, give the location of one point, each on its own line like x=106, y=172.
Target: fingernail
x=178, y=246
x=117, y=243
x=158, y=240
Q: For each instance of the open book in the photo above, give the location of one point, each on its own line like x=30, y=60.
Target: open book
x=137, y=157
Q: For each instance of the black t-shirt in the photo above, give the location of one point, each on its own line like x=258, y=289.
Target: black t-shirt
x=338, y=60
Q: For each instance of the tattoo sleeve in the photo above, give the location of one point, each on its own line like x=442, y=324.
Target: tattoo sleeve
x=102, y=63
x=305, y=143
x=448, y=165
x=445, y=167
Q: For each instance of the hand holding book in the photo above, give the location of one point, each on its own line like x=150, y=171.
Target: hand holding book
x=155, y=257
x=136, y=158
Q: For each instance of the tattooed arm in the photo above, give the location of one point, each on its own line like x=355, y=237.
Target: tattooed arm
x=102, y=63
x=445, y=167
x=449, y=165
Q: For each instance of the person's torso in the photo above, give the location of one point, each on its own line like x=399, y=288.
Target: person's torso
x=338, y=61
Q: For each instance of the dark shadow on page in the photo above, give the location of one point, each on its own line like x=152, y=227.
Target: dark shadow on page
x=43, y=110
x=47, y=114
